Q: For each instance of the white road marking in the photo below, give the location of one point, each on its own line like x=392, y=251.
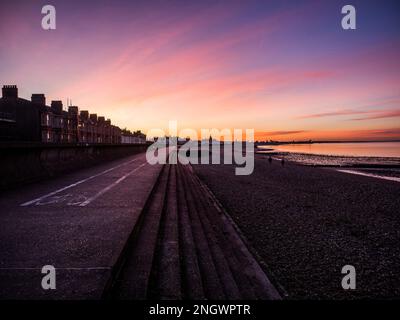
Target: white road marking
x=75, y=184
x=83, y=204
x=77, y=200
x=58, y=268
x=370, y=175
x=53, y=200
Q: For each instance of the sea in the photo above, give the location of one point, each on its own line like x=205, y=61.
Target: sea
x=375, y=159
x=350, y=149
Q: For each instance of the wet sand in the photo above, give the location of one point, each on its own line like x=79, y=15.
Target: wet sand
x=306, y=223
x=320, y=160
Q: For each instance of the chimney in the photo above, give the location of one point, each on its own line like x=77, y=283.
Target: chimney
x=38, y=98
x=93, y=117
x=57, y=106
x=84, y=115
x=10, y=91
x=73, y=110
x=101, y=120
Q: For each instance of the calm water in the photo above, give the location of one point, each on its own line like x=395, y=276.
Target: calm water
x=367, y=149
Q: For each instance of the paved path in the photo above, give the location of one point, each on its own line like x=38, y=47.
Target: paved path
x=79, y=223
x=125, y=230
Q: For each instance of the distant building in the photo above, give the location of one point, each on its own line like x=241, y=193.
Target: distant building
x=127, y=137
x=19, y=118
x=84, y=130
x=24, y=120
x=58, y=121
x=46, y=117
x=73, y=122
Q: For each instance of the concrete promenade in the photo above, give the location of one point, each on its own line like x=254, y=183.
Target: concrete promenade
x=78, y=222
x=124, y=230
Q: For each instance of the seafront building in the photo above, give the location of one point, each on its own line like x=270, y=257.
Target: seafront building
x=24, y=120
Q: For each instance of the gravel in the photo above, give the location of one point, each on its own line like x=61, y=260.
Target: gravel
x=307, y=223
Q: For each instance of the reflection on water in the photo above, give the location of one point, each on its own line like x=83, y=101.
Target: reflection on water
x=365, y=149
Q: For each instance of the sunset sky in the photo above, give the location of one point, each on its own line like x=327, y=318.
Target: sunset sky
x=285, y=68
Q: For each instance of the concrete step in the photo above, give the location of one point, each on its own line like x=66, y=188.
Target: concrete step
x=217, y=246
x=250, y=278
x=185, y=246
x=220, y=231
x=133, y=281
x=212, y=285
x=165, y=281
x=192, y=284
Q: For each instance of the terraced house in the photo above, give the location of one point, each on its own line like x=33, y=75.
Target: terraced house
x=24, y=121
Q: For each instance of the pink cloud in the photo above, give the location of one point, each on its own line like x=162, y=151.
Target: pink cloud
x=281, y=133
x=380, y=115
x=371, y=114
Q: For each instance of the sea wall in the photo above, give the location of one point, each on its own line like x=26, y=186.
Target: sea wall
x=27, y=162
